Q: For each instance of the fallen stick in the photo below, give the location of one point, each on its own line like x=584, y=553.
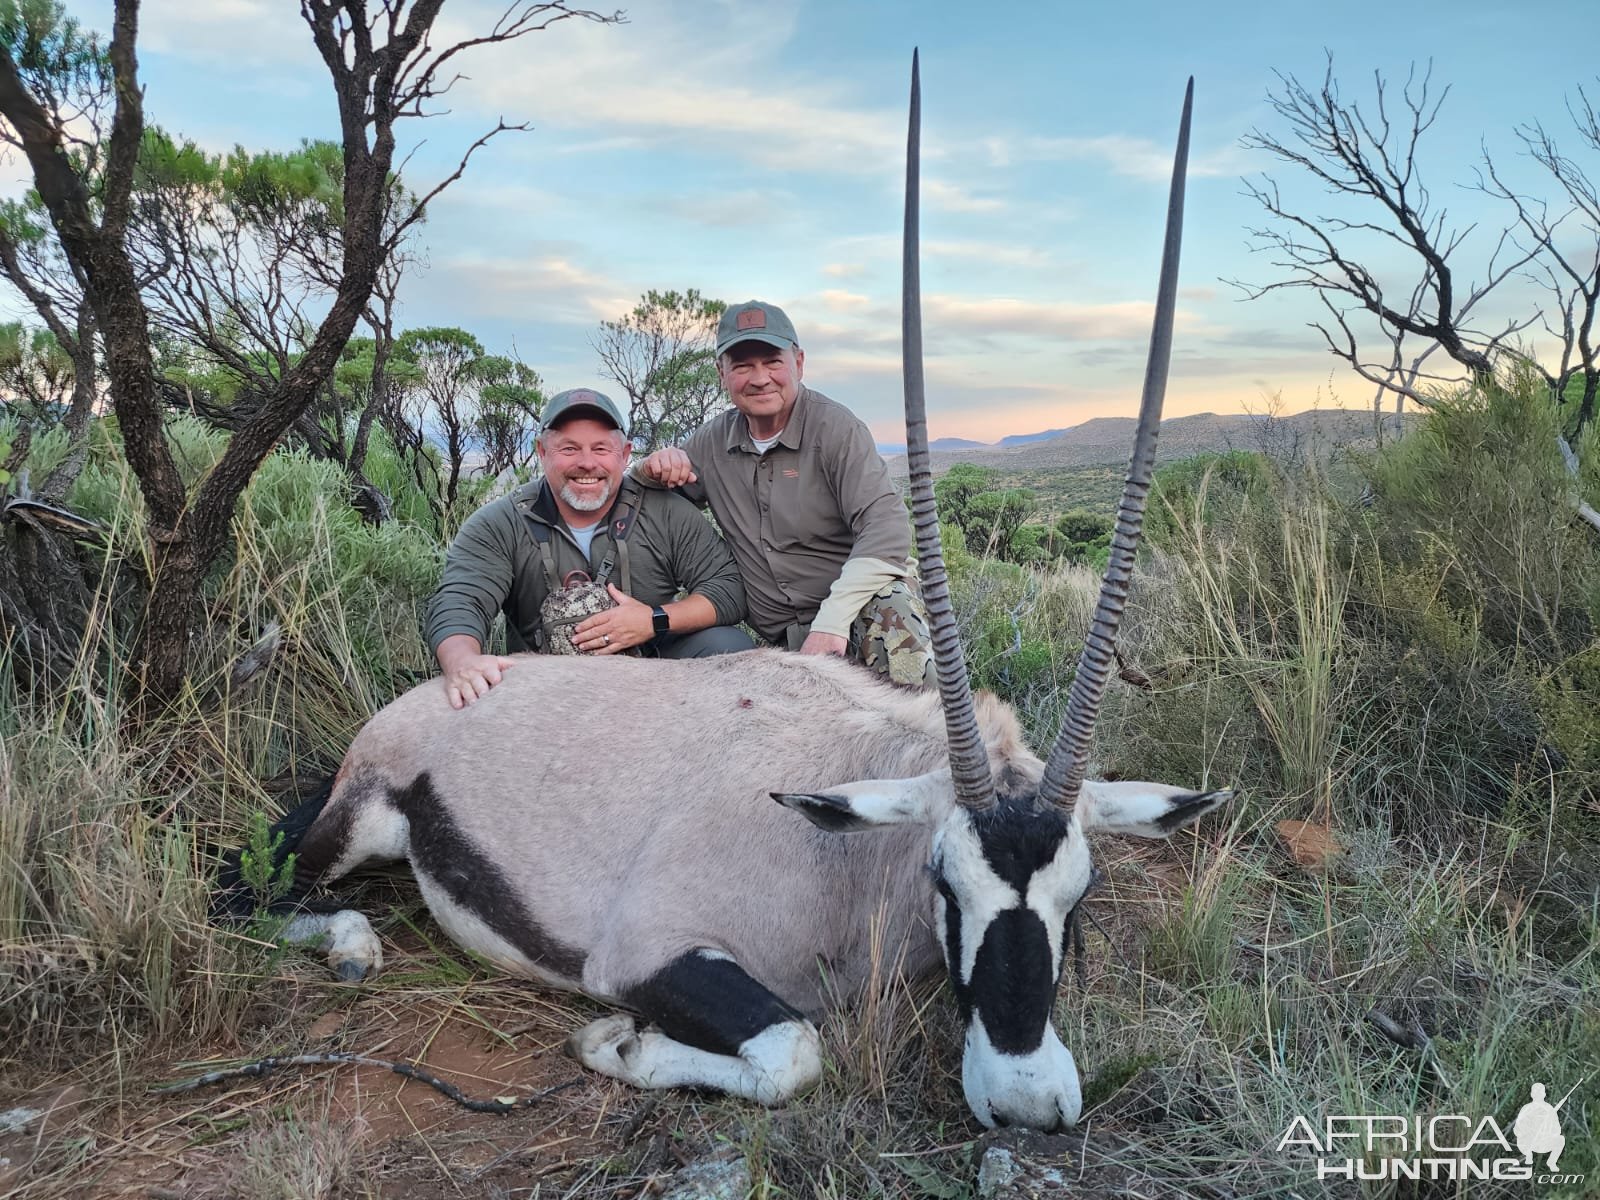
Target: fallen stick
x=259, y=1068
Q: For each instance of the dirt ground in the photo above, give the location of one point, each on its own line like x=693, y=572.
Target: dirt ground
x=490, y=1038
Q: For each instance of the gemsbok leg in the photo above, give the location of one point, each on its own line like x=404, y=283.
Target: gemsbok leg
x=718, y=1028
x=325, y=842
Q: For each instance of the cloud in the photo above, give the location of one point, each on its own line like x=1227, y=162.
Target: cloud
x=1125, y=321
x=1002, y=254
x=238, y=32
x=842, y=301
x=1134, y=157
x=844, y=270
x=953, y=198
x=677, y=75
x=548, y=284
x=743, y=209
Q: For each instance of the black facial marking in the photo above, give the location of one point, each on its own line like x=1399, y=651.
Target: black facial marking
x=1014, y=976
x=1019, y=839
x=708, y=1003
x=1013, y=984
x=952, y=944
x=446, y=855
x=1189, y=810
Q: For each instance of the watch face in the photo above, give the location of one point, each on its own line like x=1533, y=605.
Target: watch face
x=658, y=619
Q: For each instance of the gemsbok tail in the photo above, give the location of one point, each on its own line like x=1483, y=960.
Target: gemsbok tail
x=233, y=899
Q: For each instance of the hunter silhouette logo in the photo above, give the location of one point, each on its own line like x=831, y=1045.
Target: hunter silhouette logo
x=751, y=318
x=1538, y=1126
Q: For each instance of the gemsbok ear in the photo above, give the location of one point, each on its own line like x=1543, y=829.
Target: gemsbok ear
x=1152, y=810
x=874, y=803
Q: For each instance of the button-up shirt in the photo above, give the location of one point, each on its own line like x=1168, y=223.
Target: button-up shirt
x=793, y=516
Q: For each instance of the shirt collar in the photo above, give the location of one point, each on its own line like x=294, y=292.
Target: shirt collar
x=739, y=428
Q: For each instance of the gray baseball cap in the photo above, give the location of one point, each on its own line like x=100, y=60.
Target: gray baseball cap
x=754, y=321
x=582, y=402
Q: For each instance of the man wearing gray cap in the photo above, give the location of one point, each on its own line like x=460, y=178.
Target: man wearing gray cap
x=796, y=483
x=584, y=516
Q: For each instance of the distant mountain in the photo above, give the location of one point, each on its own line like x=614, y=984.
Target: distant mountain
x=888, y=448
x=1022, y=439
x=1109, y=440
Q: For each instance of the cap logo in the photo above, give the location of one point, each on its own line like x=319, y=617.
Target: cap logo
x=580, y=397
x=751, y=318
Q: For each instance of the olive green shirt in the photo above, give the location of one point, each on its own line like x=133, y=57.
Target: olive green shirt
x=793, y=516
x=494, y=563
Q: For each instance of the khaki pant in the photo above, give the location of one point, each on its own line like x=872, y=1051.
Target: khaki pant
x=890, y=636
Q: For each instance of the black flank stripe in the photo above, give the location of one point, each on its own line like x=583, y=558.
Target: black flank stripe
x=444, y=853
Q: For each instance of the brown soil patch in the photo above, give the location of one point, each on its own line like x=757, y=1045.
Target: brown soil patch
x=1311, y=845
x=488, y=1036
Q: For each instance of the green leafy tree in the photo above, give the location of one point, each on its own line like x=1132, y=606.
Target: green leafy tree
x=386, y=67
x=447, y=365
x=34, y=369
x=993, y=519
x=510, y=399
x=1082, y=536
x=69, y=71
x=954, y=490
x=663, y=357
x=1082, y=525
x=468, y=402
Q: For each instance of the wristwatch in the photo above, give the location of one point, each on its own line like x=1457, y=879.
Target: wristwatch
x=658, y=618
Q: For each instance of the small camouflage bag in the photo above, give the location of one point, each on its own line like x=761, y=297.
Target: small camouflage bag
x=567, y=607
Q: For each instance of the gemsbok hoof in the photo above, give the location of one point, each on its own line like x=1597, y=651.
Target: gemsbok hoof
x=354, y=951
x=603, y=1045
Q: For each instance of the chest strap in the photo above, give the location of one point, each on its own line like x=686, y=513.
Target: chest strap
x=621, y=523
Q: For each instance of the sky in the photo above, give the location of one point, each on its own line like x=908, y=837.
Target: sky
x=755, y=149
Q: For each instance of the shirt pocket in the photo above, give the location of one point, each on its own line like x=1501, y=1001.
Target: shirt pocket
x=804, y=514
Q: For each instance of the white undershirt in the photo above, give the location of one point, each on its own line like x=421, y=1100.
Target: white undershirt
x=583, y=535
x=762, y=445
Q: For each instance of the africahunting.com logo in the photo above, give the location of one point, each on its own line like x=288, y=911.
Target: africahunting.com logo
x=1444, y=1147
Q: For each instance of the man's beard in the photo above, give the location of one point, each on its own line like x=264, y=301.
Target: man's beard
x=582, y=505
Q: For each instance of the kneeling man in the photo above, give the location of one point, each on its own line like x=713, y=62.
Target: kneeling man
x=584, y=515
x=821, y=536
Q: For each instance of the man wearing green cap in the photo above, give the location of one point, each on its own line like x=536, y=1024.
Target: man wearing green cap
x=584, y=515
x=795, y=481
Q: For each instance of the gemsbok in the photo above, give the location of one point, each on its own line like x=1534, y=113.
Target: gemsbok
x=608, y=825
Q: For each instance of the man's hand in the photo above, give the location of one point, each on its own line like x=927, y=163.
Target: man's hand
x=824, y=643
x=468, y=672
x=627, y=625
x=669, y=467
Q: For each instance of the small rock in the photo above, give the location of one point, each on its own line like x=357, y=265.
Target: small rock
x=1015, y=1173
x=724, y=1178
x=17, y=1120
x=997, y=1170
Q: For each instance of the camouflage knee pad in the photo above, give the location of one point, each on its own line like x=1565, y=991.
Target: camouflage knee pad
x=891, y=636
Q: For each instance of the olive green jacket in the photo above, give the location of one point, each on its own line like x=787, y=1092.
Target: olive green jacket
x=494, y=563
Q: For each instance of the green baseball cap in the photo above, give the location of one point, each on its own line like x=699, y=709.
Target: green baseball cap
x=754, y=321
x=582, y=402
